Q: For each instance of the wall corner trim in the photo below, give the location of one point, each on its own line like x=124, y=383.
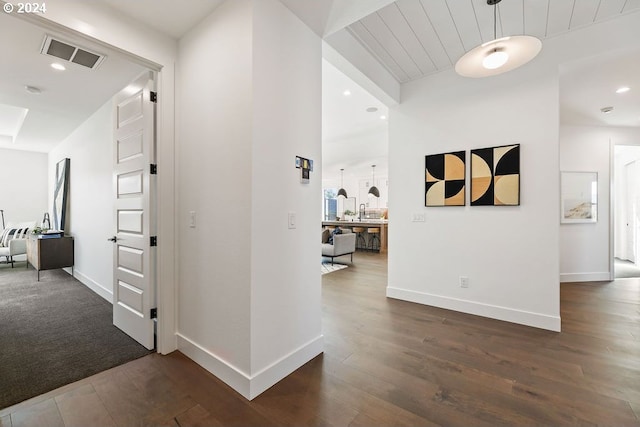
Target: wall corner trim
x=527, y=318
x=251, y=386
x=222, y=369
x=275, y=372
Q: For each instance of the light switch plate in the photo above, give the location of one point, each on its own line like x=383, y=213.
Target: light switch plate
x=291, y=220
x=192, y=219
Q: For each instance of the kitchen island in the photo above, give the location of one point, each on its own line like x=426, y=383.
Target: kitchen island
x=382, y=224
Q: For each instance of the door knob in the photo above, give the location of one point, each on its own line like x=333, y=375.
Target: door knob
x=113, y=239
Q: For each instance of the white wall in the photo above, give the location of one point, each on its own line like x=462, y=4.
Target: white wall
x=215, y=170
x=23, y=185
x=585, y=249
x=501, y=249
x=624, y=200
x=510, y=254
x=286, y=317
x=90, y=203
x=248, y=102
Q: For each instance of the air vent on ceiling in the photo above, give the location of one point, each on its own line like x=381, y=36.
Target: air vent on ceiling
x=71, y=53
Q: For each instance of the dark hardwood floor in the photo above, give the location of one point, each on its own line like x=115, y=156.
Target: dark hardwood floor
x=394, y=363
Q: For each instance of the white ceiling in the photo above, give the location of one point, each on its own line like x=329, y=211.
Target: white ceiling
x=415, y=38
x=588, y=85
x=68, y=97
x=169, y=17
x=411, y=38
x=352, y=138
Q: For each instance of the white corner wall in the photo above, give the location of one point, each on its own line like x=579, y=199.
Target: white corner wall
x=214, y=115
x=23, y=185
x=90, y=203
x=248, y=102
x=585, y=249
x=509, y=254
x=286, y=329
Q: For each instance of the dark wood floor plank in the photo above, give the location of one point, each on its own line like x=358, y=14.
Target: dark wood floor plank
x=42, y=414
x=636, y=409
x=395, y=363
x=53, y=393
x=82, y=407
x=197, y=417
x=223, y=403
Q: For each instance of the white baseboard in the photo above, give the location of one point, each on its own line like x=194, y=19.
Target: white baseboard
x=250, y=386
x=604, y=276
x=93, y=285
x=527, y=318
x=273, y=373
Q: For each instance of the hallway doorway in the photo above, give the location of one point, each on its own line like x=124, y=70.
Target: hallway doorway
x=626, y=218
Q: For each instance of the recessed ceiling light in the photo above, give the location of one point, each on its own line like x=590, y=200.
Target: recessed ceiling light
x=32, y=89
x=623, y=89
x=58, y=66
x=606, y=109
x=383, y=117
x=372, y=109
x=347, y=92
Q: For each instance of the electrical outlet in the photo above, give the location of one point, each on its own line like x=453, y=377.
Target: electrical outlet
x=464, y=282
x=418, y=217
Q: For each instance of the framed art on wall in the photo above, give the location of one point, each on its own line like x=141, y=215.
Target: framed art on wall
x=444, y=179
x=60, y=194
x=495, y=176
x=578, y=197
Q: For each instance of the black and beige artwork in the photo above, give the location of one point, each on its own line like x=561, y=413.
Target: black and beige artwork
x=444, y=179
x=495, y=176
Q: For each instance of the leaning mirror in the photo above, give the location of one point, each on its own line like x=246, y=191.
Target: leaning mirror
x=60, y=194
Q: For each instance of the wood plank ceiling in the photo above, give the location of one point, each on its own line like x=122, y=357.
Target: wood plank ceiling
x=415, y=38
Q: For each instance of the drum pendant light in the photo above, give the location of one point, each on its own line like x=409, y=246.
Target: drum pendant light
x=342, y=192
x=373, y=191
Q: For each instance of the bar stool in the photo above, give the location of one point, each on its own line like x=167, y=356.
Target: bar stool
x=360, y=242
x=374, y=239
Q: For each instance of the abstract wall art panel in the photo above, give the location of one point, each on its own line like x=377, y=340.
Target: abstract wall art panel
x=495, y=176
x=444, y=179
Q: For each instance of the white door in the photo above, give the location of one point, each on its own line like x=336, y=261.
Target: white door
x=134, y=188
x=630, y=199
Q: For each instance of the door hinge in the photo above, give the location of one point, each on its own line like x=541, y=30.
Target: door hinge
x=153, y=313
x=153, y=169
x=153, y=241
x=153, y=96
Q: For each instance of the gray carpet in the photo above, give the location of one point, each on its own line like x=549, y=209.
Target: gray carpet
x=626, y=269
x=54, y=332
